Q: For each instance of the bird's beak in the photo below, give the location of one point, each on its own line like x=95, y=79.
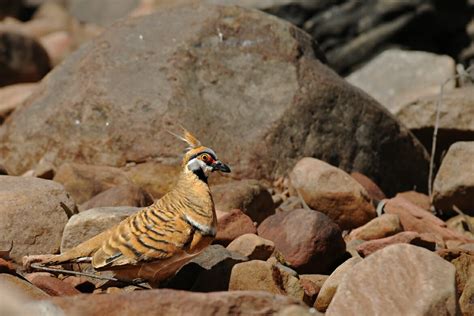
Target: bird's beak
x=219, y=166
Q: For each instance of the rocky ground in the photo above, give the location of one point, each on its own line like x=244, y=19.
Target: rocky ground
x=329, y=208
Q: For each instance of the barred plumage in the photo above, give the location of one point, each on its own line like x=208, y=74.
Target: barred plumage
x=153, y=243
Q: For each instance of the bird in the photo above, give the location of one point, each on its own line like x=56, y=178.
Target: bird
x=155, y=242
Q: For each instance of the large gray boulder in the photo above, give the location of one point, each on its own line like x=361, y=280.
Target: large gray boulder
x=248, y=84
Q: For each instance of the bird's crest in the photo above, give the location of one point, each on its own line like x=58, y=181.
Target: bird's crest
x=188, y=138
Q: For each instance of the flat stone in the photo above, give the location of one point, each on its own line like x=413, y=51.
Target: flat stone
x=31, y=215
x=413, y=74
x=425, y=240
x=380, y=227
x=414, y=218
x=172, y=302
x=426, y=288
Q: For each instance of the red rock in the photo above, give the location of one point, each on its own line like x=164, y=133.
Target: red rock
x=308, y=240
x=425, y=240
x=250, y=196
x=397, y=280
x=414, y=218
x=331, y=191
x=370, y=186
x=172, y=302
x=252, y=246
x=419, y=199
x=51, y=285
x=380, y=227
x=232, y=225
x=121, y=195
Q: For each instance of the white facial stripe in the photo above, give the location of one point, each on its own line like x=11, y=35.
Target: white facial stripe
x=196, y=164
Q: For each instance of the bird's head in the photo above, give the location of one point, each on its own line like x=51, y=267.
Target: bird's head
x=199, y=159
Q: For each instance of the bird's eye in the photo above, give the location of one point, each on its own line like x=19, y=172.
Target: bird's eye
x=205, y=157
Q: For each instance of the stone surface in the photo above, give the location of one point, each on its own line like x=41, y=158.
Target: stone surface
x=455, y=118
x=255, y=83
x=309, y=241
x=208, y=272
x=419, y=199
x=11, y=97
x=121, y=195
x=21, y=286
x=425, y=240
x=375, y=193
x=58, y=45
x=426, y=288
x=156, y=178
x=172, y=302
x=252, y=246
x=51, y=285
x=257, y=275
x=330, y=285
x=90, y=223
x=85, y=181
x=463, y=224
x=100, y=12
x=418, y=220
x=23, y=59
x=466, y=301
x=464, y=265
x=454, y=182
x=232, y=225
x=250, y=196
x=380, y=227
x=333, y=192
x=413, y=74
x=31, y=215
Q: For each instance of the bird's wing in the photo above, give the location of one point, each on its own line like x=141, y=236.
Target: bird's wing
x=151, y=234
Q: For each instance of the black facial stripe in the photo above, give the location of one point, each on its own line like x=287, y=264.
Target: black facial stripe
x=204, y=152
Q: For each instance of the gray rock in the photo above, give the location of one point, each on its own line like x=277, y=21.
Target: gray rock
x=90, y=223
x=456, y=121
x=454, y=182
x=261, y=99
x=397, y=77
x=31, y=215
x=397, y=280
